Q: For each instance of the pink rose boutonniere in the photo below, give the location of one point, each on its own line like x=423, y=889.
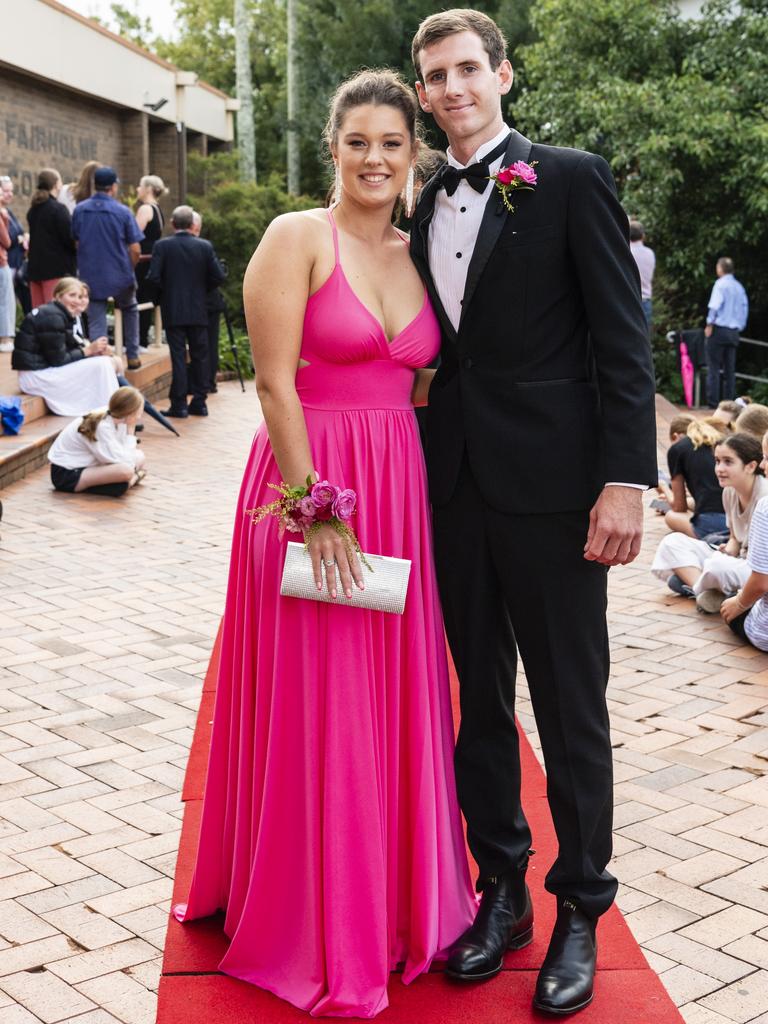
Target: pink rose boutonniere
x=519, y=176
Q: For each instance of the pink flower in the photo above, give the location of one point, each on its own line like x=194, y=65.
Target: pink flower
x=523, y=171
x=307, y=507
x=323, y=494
x=505, y=176
x=344, y=505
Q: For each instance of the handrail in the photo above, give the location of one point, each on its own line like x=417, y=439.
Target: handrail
x=674, y=338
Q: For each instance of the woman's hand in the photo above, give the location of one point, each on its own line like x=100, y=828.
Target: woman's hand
x=329, y=547
x=96, y=348
x=731, y=608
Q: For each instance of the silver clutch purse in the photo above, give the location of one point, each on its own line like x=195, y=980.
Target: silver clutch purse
x=385, y=587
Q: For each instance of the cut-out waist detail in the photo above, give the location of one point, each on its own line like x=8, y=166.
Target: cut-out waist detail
x=374, y=384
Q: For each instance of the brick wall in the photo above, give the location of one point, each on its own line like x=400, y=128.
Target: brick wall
x=164, y=143
x=41, y=126
x=44, y=126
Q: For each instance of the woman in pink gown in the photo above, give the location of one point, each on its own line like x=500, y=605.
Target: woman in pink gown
x=331, y=834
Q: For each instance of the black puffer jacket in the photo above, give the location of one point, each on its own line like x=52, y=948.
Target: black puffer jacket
x=45, y=339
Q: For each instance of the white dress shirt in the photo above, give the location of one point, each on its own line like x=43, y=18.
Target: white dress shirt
x=113, y=443
x=454, y=229
x=453, y=232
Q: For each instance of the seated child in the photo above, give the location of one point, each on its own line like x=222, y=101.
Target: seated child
x=98, y=453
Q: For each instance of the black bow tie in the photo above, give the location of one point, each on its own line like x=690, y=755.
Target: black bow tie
x=475, y=175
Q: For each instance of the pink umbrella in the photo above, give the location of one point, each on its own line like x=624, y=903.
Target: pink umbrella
x=687, y=373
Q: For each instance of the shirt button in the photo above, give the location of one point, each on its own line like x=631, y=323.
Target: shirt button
x=458, y=255
x=467, y=363
x=463, y=209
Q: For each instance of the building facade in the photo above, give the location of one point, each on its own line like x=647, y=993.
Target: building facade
x=72, y=91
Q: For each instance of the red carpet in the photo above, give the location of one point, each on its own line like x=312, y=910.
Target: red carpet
x=627, y=991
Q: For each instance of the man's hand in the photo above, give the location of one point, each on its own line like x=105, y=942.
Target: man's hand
x=708, y=331
x=615, y=526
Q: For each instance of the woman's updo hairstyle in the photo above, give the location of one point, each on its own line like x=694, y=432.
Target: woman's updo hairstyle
x=379, y=87
x=747, y=447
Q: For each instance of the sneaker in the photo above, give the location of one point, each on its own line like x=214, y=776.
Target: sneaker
x=709, y=601
x=677, y=586
x=6, y=346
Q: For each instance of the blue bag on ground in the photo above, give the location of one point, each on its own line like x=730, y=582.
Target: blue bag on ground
x=11, y=415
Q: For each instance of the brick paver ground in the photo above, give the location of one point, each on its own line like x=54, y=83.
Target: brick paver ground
x=108, y=616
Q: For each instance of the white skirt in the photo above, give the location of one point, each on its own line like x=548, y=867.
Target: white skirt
x=718, y=571
x=75, y=388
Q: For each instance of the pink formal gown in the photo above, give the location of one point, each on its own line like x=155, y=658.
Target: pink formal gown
x=331, y=834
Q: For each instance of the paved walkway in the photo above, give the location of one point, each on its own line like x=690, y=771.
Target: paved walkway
x=108, y=616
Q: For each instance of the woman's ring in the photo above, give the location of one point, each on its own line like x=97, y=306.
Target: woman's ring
x=332, y=562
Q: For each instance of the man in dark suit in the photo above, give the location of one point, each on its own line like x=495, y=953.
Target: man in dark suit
x=540, y=440
x=182, y=272
x=215, y=305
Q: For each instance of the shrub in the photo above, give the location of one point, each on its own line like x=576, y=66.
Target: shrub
x=235, y=216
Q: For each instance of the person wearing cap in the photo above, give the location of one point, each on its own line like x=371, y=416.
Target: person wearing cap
x=108, y=240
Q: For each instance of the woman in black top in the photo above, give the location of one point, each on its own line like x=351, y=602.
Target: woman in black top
x=72, y=378
x=52, y=253
x=692, y=466
x=150, y=219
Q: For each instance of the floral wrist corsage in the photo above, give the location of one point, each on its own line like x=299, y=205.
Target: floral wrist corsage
x=306, y=509
x=519, y=176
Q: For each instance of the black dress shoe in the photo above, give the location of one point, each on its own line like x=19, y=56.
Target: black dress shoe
x=197, y=409
x=178, y=414
x=567, y=976
x=504, y=921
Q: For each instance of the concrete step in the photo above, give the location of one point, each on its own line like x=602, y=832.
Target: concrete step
x=25, y=452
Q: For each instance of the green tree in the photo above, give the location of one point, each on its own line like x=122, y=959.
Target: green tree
x=129, y=24
x=678, y=109
x=335, y=39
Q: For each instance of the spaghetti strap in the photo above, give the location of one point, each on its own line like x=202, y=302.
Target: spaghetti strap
x=335, y=234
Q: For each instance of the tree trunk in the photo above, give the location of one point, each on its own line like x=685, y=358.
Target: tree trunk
x=246, y=138
x=292, y=79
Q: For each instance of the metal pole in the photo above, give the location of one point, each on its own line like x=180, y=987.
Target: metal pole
x=292, y=82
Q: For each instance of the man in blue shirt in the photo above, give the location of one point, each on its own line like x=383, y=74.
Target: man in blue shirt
x=108, y=238
x=726, y=319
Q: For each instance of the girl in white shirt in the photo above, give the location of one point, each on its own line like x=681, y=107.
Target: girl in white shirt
x=98, y=452
x=690, y=566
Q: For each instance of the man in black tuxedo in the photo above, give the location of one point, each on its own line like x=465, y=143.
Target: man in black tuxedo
x=540, y=440
x=184, y=269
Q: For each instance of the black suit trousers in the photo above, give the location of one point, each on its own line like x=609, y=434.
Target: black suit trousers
x=510, y=581
x=197, y=383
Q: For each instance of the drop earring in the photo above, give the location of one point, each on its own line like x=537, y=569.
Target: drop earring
x=409, y=184
x=336, y=186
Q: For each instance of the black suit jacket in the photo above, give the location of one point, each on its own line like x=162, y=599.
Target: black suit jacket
x=548, y=383
x=183, y=270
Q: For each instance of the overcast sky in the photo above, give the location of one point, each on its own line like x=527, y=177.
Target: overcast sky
x=160, y=12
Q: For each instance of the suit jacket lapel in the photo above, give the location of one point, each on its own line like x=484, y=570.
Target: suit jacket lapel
x=494, y=218
x=420, y=249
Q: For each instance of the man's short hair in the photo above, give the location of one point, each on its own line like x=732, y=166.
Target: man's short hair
x=450, y=23
x=197, y=218
x=726, y=264
x=636, y=231
x=182, y=217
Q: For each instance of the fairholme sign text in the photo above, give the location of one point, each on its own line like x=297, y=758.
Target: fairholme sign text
x=37, y=138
